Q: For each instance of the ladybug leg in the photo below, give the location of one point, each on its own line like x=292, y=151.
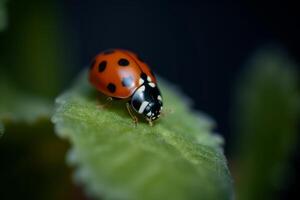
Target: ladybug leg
x=150, y=122
x=134, y=118
x=106, y=104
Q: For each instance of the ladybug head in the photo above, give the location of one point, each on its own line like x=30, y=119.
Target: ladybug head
x=147, y=101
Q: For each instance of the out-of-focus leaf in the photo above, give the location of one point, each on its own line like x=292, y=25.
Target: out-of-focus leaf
x=18, y=106
x=36, y=48
x=178, y=158
x=267, y=114
x=3, y=15
x=1, y=128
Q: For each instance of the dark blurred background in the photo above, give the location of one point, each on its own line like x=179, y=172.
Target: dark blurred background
x=200, y=46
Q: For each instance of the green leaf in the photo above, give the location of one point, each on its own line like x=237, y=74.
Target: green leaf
x=178, y=158
x=267, y=115
x=19, y=106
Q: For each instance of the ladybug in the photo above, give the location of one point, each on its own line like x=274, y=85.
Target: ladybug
x=121, y=74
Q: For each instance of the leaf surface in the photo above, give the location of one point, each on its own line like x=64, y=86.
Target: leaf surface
x=178, y=158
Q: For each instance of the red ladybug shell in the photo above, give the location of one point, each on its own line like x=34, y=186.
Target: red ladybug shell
x=117, y=73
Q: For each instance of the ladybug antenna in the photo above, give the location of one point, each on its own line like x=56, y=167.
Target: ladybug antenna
x=166, y=111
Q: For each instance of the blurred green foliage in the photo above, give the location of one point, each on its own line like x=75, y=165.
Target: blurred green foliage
x=17, y=105
x=178, y=158
x=3, y=15
x=267, y=115
x=34, y=47
x=33, y=57
x=1, y=129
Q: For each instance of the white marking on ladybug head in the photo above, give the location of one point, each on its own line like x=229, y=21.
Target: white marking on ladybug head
x=141, y=81
x=141, y=89
x=149, y=114
x=143, y=106
x=152, y=84
x=149, y=78
x=159, y=98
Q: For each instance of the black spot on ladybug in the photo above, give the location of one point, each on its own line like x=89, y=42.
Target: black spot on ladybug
x=109, y=51
x=111, y=87
x=123, y=62
x=92, y=64
x=127, y=81
x=102, y=66
x=144, y=76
